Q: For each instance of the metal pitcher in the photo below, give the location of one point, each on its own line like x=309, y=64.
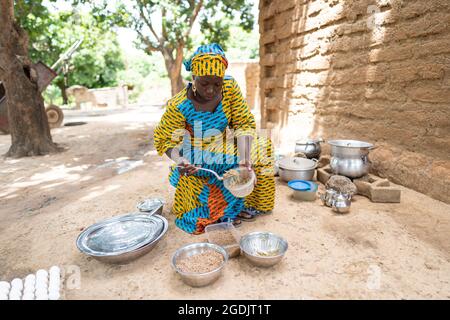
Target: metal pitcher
x=341, y=203
x=328, y=197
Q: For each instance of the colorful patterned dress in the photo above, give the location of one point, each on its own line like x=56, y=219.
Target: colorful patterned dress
x=202, y=199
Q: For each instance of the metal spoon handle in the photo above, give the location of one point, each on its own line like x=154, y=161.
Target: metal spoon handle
x=213, y=172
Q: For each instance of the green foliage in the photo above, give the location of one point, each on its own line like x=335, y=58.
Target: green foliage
x=94, y=64
x=32, y=15
x=219, y=16
x=214, y=18
x=97, y=60
x=142, y=71
x=243, y=44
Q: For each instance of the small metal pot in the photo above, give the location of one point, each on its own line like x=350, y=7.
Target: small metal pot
x=278, y=157
x=310, y=147
x=294, y=168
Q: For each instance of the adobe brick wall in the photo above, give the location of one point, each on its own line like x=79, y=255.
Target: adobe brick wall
x=372, y=70
x=246, y=73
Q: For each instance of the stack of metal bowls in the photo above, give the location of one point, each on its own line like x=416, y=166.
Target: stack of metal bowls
x=123, y=239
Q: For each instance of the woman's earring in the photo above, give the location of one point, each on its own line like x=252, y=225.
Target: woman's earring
x=194, y=89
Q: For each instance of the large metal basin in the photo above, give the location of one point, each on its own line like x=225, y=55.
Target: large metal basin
x=105, y=245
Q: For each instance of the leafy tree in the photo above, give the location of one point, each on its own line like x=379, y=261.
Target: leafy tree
x=243, y=44
x=28, y=124
x=20, y=21
x=177, y=18
x=96, y=62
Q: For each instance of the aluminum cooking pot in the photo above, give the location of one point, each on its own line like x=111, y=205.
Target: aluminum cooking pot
x=350, y=157
x=309, y=147
x=296, y=168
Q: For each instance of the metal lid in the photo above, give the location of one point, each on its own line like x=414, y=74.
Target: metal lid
x=300, y=185
x=296, y=163
x=120, y=234
x=308, y=141
x=350, y=144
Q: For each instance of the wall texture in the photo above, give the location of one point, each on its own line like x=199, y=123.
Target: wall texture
x=377, y=71
x=246, y=73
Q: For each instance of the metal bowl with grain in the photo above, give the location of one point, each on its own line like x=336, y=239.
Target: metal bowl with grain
x=198, y=279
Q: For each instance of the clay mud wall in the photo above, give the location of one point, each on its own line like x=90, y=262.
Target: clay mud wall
x=377, y=71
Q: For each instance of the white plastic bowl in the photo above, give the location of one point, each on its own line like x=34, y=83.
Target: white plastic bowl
x=241, y=191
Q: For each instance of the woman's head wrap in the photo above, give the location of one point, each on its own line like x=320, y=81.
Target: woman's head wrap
x=208, y=60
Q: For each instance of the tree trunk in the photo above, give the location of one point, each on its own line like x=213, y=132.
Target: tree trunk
x=173, y=67
x=176, y=81
x=30, y=132
x=62, y=86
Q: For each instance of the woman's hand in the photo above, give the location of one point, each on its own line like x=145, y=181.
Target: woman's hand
x=246, y=168
x=246, y=164
x=244, y=146
x=186, y=167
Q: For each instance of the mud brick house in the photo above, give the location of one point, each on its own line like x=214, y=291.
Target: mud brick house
x=372, y=70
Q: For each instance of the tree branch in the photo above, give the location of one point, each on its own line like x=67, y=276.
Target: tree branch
x=149, y=45
x=149, y=23
x=163, y=27
x=193, y=18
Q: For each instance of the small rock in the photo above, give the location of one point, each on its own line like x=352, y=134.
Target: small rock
x=430, y=266
x=341, y=184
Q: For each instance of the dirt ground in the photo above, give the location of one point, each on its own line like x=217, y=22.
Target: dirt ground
x=391, y=251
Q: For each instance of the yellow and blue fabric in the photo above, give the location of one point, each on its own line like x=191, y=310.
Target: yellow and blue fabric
x=202, y=199
x=207, y=60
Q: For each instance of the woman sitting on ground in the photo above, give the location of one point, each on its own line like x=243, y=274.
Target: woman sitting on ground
x=193, y=132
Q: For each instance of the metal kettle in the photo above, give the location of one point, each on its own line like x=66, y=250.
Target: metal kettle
x=341, y=203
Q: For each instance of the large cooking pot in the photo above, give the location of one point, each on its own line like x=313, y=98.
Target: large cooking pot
x=296, y=168
x=309, y=147
x=350, y=157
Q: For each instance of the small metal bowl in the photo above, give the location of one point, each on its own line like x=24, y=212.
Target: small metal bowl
x=199, y=279
x=263, y=249
x=151, y=205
